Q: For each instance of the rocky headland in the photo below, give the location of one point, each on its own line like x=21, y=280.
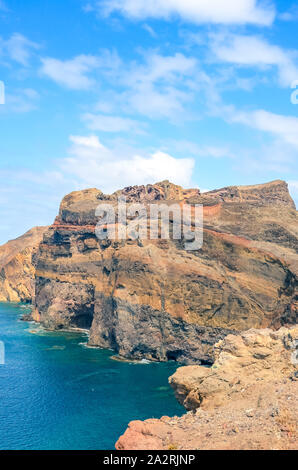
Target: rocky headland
x=230, y=305
x=17, y=272
x=246, y=400
x=152, y=298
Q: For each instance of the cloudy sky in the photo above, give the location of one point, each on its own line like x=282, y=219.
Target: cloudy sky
x=110, y=93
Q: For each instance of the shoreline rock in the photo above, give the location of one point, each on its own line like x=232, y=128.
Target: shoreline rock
x=247, y=400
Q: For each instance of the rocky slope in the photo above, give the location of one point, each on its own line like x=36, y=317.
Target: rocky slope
x=247, y=400
x=154, y=299
x=16, y=268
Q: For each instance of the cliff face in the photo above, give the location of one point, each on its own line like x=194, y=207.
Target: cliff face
x=16, y=268
x=240, y=362
x=247, y=400
x=154, y=299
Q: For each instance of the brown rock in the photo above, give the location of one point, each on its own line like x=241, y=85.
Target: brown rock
x=16, y=269
x=153, y=299
x=247, y=401
x=241, y=361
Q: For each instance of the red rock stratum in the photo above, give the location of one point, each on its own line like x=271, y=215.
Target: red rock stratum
x=152, y=298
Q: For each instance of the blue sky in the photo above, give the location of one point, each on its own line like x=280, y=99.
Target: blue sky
x=112, y=93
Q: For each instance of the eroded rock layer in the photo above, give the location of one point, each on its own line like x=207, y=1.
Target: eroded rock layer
x=247, y=400
x=152, y=298
x=16, y=267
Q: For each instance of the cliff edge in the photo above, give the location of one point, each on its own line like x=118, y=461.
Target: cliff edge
x=152, y=298
x=247, y=400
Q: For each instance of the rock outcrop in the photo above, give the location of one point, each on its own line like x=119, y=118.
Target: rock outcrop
x=17, y=273
x=240, y=362
x=152, y=298
x=247, y=400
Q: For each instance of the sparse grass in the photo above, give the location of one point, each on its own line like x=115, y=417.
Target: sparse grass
x=172, y=446
x=286, y=421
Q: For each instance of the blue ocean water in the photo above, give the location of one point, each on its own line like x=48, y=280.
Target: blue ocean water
x=57, y=394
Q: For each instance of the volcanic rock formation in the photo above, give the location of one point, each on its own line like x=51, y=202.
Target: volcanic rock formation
x=17, y=273
x=152, y=298
x=247, y=400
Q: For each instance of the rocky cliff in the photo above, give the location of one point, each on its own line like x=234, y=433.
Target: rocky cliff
x=16, y=268
x=154, y=299
x=247, y=400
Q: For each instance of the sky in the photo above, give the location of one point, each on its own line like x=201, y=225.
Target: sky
x=113, y=93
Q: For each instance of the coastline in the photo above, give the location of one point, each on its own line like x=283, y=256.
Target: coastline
x=58, y=394
x=246, y=401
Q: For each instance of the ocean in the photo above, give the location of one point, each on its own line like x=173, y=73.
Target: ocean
x=56, y=393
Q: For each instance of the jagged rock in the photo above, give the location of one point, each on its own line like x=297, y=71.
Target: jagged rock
x=275, y=193
x=247, y=400
x=16, y=268
x=255, y=355
x=152, y=298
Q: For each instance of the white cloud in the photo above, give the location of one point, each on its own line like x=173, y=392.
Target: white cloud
x=33, y=198
x=28, y=199
x=215, y=152
x=18, y=48
x=149, y=101
x=159, y=87
x=204, y=151
x=75, y=73
x=280, y=126
x=289, y=15
x=195, y=11
x=88, y=8
x=277, y=155
x=275, y=158
x=72, y=73
x=20, y=101
x=107, y=105
x=89, y=142
x=254, y=51
x=102, y=122
x=93, y=164
x=161, y=68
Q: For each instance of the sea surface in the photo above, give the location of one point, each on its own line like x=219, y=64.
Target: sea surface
x=55, y=393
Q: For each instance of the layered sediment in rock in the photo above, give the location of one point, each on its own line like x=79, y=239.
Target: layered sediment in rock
x=17, y=273
x=247, y=400
x=152, y=298
x=240, y=361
